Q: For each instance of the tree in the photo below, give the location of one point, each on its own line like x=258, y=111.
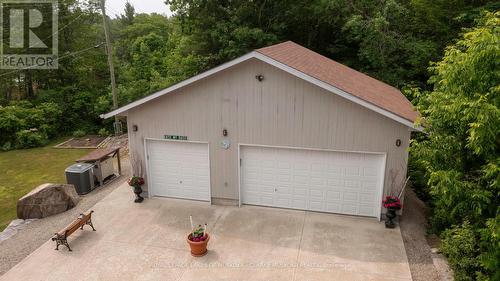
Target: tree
x=129, y=13
x=461, y=152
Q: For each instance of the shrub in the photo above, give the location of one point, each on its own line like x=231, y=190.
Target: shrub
x=19, y=116
x=30, y=138
x=418, y=179
x=103, y=132
x=490, y=250
x=79, y=133
x=460, y=246
x=7, y=146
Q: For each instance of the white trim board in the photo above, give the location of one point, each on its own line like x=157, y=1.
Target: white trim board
x=279, y=65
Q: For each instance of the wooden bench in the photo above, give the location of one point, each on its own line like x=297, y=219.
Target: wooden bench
x=61, y=237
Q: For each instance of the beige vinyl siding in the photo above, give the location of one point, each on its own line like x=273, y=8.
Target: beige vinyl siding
x=282, y=110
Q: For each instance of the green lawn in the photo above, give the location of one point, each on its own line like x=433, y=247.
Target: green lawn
x=23, y=170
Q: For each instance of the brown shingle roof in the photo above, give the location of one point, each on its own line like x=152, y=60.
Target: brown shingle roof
x=342, y=77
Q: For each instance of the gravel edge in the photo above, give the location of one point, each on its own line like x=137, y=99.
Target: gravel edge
x=413, y=224
x=36, y=233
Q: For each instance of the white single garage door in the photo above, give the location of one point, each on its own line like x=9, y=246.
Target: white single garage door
x=324, y=181
x=179, y=169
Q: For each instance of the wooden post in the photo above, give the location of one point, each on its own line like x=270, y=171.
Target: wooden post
x=109, y=49
x=119, y=163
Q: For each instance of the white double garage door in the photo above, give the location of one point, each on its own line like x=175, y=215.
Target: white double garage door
x=317, y=180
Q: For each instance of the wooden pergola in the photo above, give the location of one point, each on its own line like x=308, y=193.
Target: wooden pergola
x=101, y=154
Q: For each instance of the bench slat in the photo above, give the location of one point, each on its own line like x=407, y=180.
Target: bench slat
x=61, y=236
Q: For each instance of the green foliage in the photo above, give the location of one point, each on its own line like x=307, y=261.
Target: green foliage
x=460, y=154
x=387, y=48
x=80, y=111
x=103, y=132
x=489, y=258
x=30, y=138
x=153, y=58
x=474, y=254
x=392, y=40
x=27, y=125
x=79, y=133
x=7, y=146
x=418, y=179
x=460, y=245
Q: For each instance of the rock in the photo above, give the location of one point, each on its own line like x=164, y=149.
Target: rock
x=47, y=200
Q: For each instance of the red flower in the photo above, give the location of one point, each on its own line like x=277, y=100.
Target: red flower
x=135, y=181
x=392, y=202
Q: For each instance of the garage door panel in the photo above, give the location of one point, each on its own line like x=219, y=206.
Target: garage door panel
x=352, y=171
x=284, y=165
x=266, y=201
x=366, y=211
x=300, y=179
x=349, y=208
x=335, y=170
x=367, y=198
x=333, y=195
x=352, y=184
x=283, y=202
x=370, y=172
x=284, y=189
x=337, y=182
x=179, y=169
x=266, y=177
x=316, y=205
x=369, y=185
x=300, y=191
x=317, y=181
x=333, y=207
x=299, y=203
x=316, y=193
x=332, y=182
x=350, y=196
x=300, y=166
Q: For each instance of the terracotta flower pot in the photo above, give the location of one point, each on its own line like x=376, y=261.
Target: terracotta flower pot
x=198, y=249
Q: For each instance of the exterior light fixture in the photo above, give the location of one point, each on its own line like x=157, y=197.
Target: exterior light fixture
x=259, y=77
x=224, y=132
x=398, y=142
x=135, y=128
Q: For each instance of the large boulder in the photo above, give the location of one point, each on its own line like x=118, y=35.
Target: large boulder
x=47, y=200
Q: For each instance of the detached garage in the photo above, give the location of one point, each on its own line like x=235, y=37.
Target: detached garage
x=282, y=127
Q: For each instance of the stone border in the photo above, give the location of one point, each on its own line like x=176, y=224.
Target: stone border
x=13, y=227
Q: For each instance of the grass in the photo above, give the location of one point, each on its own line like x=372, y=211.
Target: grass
x=23, y=170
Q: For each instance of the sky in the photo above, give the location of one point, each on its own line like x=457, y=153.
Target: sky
x=114, y=7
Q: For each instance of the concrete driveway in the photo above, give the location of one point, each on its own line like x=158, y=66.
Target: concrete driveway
x=147, y=242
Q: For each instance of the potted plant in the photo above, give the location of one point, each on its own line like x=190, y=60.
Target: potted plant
x=198, y=239
x=392, y=204
x=136, y=182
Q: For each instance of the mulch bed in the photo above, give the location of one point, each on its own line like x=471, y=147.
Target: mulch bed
x=90, y=141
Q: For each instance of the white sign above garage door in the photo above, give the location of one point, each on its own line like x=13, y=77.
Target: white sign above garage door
x=178, y=169
x=317, y=180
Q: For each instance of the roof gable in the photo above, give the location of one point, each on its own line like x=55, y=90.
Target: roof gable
x=314, y=68
x=342, y=77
